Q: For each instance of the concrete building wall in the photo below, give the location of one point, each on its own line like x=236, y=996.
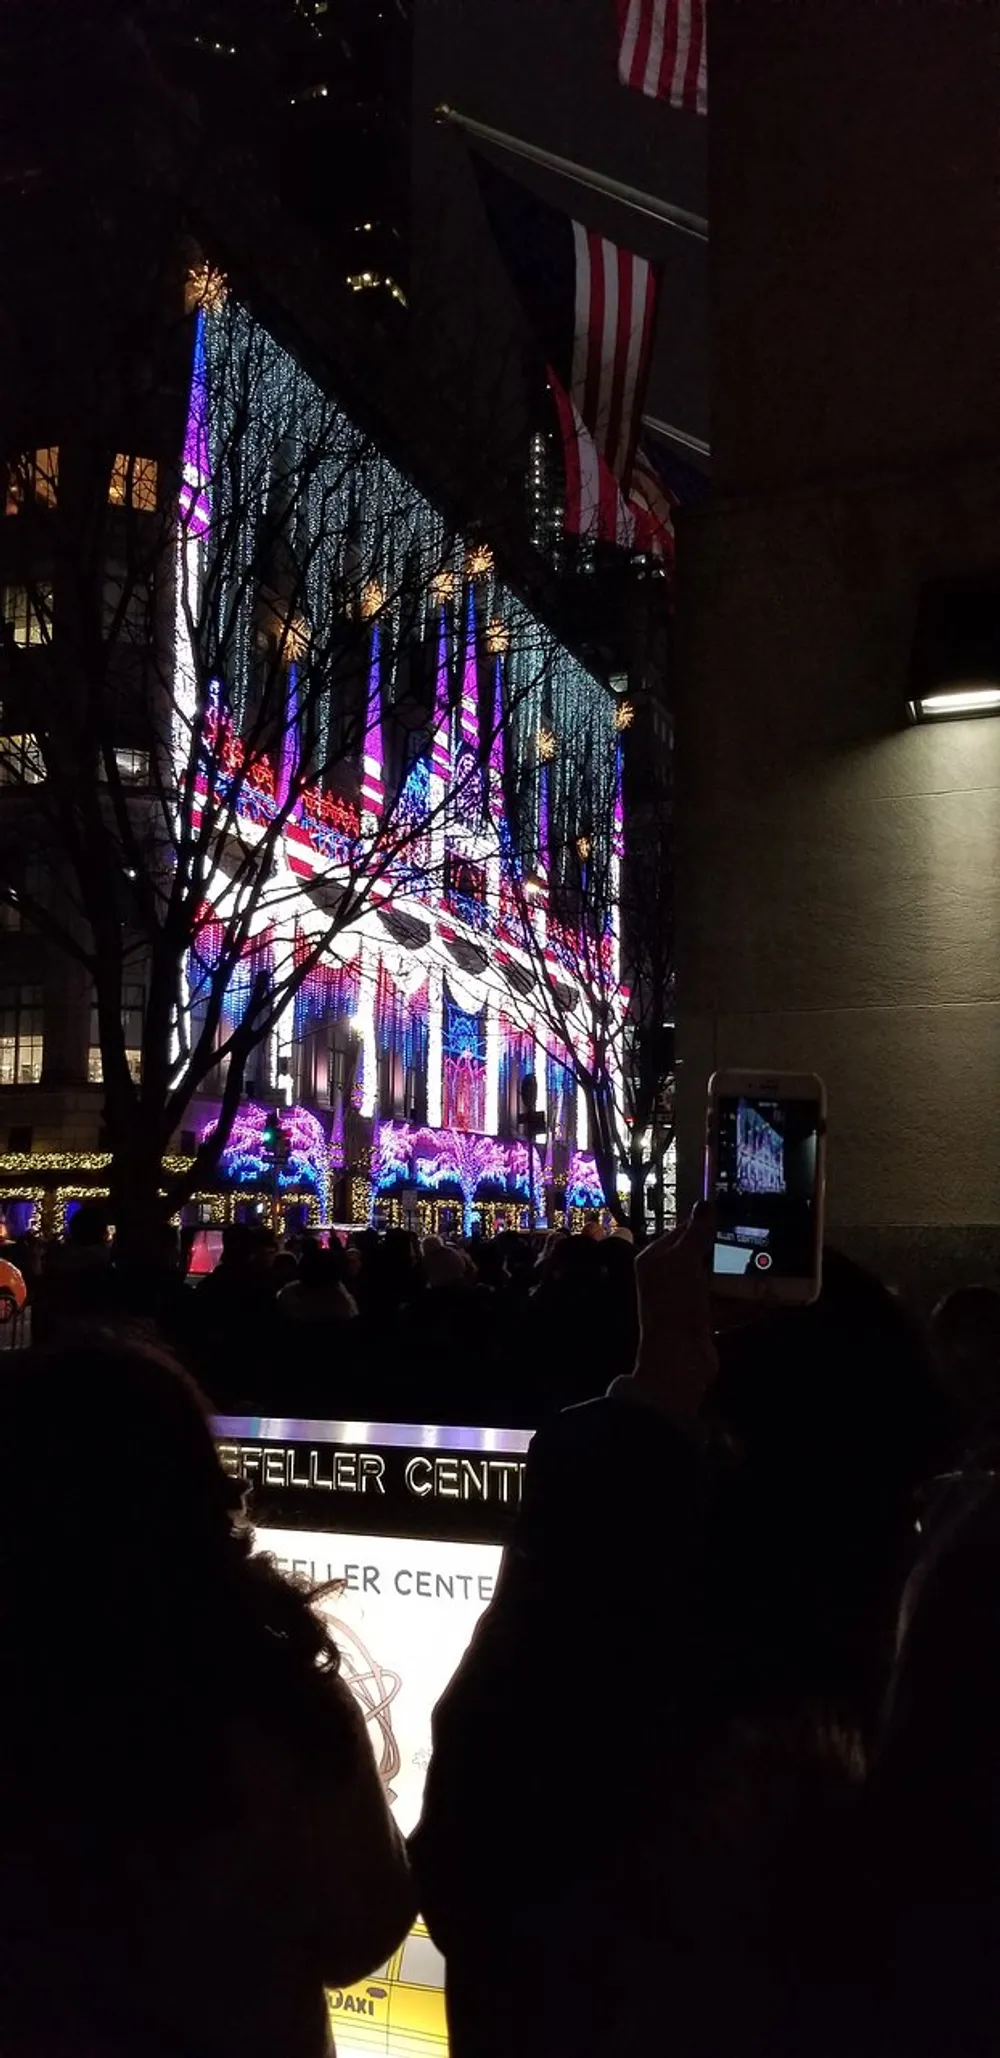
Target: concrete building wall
x=838, y=872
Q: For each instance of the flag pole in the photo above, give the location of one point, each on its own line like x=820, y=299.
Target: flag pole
x=642, y=203
x=681, y=436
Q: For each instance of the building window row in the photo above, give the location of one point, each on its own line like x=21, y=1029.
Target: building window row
x=21, y=1035
x=126, y=611
x=33, y=480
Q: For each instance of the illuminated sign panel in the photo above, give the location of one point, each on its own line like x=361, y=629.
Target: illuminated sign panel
x=404, y=1523
x=393, y=1477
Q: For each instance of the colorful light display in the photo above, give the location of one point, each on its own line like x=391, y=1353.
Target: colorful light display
x=560, y=1095
x=433, y=1159
x=401, y=1022
x=464, y=1048
x=583, y=1184
x=329, y=993
x=464, y=828
x=247, y=1159
x=337, y=1147
x=352, y=502
x=195, y=512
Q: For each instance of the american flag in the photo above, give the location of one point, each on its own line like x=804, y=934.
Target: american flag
x=662, y=51
x=596, y=506
x=612, y=335
x=592, y=304
x=652, y=502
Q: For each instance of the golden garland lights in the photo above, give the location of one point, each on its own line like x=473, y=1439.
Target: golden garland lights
x=205, y=288
x=73, y=1161
x=296, y=638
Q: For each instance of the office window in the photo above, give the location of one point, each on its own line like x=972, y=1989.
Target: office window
x=133, y=1011
x=133, y=482
x=21, y=1035
x=35, y=476
x=27, y=613
x=133, y=765
x=21, y=762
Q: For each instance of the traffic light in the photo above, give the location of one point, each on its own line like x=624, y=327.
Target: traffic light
x=276, y=1147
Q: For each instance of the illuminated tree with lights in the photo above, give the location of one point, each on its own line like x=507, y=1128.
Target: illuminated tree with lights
x=223, y=653
x=456, y=1156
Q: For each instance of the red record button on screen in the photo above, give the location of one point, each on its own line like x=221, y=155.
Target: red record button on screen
x=762, y=1260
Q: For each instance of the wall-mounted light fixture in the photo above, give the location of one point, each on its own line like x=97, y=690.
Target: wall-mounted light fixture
x=953, y=703
x=955, y=662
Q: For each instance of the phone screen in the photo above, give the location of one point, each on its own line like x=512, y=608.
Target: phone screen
x=766, y=1186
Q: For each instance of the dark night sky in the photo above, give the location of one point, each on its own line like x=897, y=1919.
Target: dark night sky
x=546, y=70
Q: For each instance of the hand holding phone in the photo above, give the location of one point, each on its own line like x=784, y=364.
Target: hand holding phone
x=764, y=1177
x=677, y=1361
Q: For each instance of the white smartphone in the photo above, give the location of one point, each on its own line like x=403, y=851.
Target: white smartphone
x=764, y=1174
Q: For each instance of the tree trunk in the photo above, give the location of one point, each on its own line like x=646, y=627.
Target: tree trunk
x=606, y=1160
x=637, y=1195
x=139, y=1210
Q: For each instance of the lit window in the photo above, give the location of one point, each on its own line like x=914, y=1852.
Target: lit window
x=133, y=483
x=28, y=614
x=366, y=282
x=21, y=762
x=21, y=1035
x=35, y=476
x=133, y=1010
x=133, y=765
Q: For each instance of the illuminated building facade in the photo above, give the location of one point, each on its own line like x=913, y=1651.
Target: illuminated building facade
x=401, y=1060
x=397, y=1069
